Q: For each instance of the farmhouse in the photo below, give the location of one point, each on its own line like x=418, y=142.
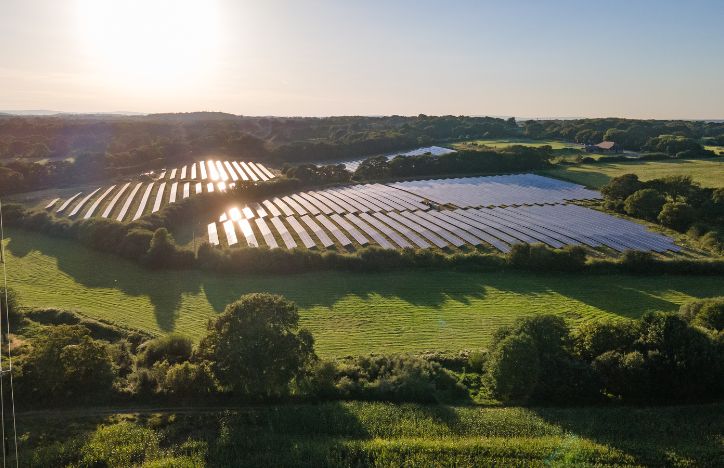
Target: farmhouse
x=604, y=146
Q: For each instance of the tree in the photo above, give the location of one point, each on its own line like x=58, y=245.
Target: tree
x=514, y=368
x=645, y=204
x=621, y=187
x=9, y=303
x=596, y=337
x=173, y=348
x=677, y=215
x=256, y=347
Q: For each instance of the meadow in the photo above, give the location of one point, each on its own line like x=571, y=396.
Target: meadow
x=503, y=142
x=348, y=313
x=708, y=172
x=378, y=434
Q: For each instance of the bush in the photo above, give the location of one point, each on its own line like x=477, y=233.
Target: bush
x=173, y=348
x=513, y=369
x=9, y=304
x=538, y=257
x=122, y=444
x=644, y=204
x=677, y=215
x=622, y=187
x=707, y=313
x=188, y=380
x=596, y=337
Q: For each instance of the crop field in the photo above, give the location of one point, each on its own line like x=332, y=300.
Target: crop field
x=384, y=434
x=708, y=172
x=348, y=313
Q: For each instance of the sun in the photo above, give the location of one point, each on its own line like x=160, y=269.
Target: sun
x=150, y=44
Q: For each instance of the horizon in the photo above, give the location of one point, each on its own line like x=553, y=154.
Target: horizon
x=321, y=59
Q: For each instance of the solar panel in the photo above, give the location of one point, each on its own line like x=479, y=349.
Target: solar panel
x=159, y=197
x=318, y=204
x=129, y=200
x=294, y=205
x=329, y=195
x=259, y=173
x=248, y=213
x=144, y=200
x=332, y=206
x=351, y=230
x=213, y=235
x=336, y=232
x=231, y=171
x=266, y=171
x=266, y=233
x=318, y=231
x=202, y=169
x=97, y=202
x=404, y=230
x=536, y=236
x=114, y=200
x=433, y=227
x=284, y=233
x=252, y=175
x=172, y=195
x=272, y=209
x=173, y=174
x=51, y=203
x=230, y=233
x=162, y=175
x=307, y=206
x=301, y=232
x=367, y=229
x=183, y=172
x=193, y=171
x=488, y=234
x=220, y=171
x=426, y=233
x=83, y=202
x=283, y=206
x=248, y=233
x=210, y=187
x=387, y=231
x=68, y=202
x=199, y=188
x=241, y=172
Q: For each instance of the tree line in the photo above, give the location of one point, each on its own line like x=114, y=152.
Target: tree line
x=256, y=351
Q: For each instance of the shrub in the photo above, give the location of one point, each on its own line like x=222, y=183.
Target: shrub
x=187, y=380
x=513, y=369
x=677, y=215
x=122, y=444
x=596, y=337
x=622, y=187
x=707, y=313
x=644, y=204
x=540, y=257
x=173, y=348
x=9, y=304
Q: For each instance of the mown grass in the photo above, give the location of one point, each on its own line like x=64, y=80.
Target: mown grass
x=381, y=434
x=708, y=172
x=503, y=142
x=347, y=313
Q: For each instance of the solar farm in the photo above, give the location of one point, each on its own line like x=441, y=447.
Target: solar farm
x=492, y=213
x=131, y=200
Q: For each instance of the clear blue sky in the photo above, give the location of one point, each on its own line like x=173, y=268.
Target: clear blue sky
x=644, y=59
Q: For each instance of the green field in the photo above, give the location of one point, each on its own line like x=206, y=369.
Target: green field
x=348, y=313
x=503, y=142
x=708, y=172
x=381, y=434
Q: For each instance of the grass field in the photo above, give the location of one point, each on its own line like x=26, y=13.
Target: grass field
x=503, y=142
x=708, y=172
x=348, y=313
x=379, y=434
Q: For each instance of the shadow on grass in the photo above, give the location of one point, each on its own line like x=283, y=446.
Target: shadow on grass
x=627, y=296
x=655, y=436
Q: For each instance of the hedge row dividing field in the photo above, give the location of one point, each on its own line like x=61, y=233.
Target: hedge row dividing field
x=349, y=313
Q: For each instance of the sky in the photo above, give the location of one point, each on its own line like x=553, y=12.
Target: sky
x=634, y=58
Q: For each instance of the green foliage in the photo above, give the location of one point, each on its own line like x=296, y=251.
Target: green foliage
x=163, y=252
x=256, y=347
x=122, y=444
x=188, y=380
x=677, y=215
x=9, y=305
x=621, y=187
x=676, y=145
x=173, y=348
x=595, y=337
x=707, y=313
x=65, y=362
x=538, y=257
x=645, y=203
x=513, y=370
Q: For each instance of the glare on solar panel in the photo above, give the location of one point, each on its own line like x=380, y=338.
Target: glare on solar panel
x=231, y=171
x=213, y=234
x=51, y=203
x=159, y=197
x=301, y=232
x=193, y=171
x=114, y=200
x=272, y=209
x=249, y=172
x=318, y=231
x=97, y=202
x=202, y=170
x=172, y=195
x=80, y=204
x=173, y=174
x=183, y=172
x=230, y=233
x=144, y=200
x=241, y=172
x=259, y=173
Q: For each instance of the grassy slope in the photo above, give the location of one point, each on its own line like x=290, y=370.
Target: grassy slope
x=348, y=313
x=709, y=172
x=380, y=434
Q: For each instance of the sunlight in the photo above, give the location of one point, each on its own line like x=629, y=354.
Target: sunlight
x=150, y=44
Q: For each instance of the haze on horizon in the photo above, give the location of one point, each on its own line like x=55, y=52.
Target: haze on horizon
x=643, y=59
